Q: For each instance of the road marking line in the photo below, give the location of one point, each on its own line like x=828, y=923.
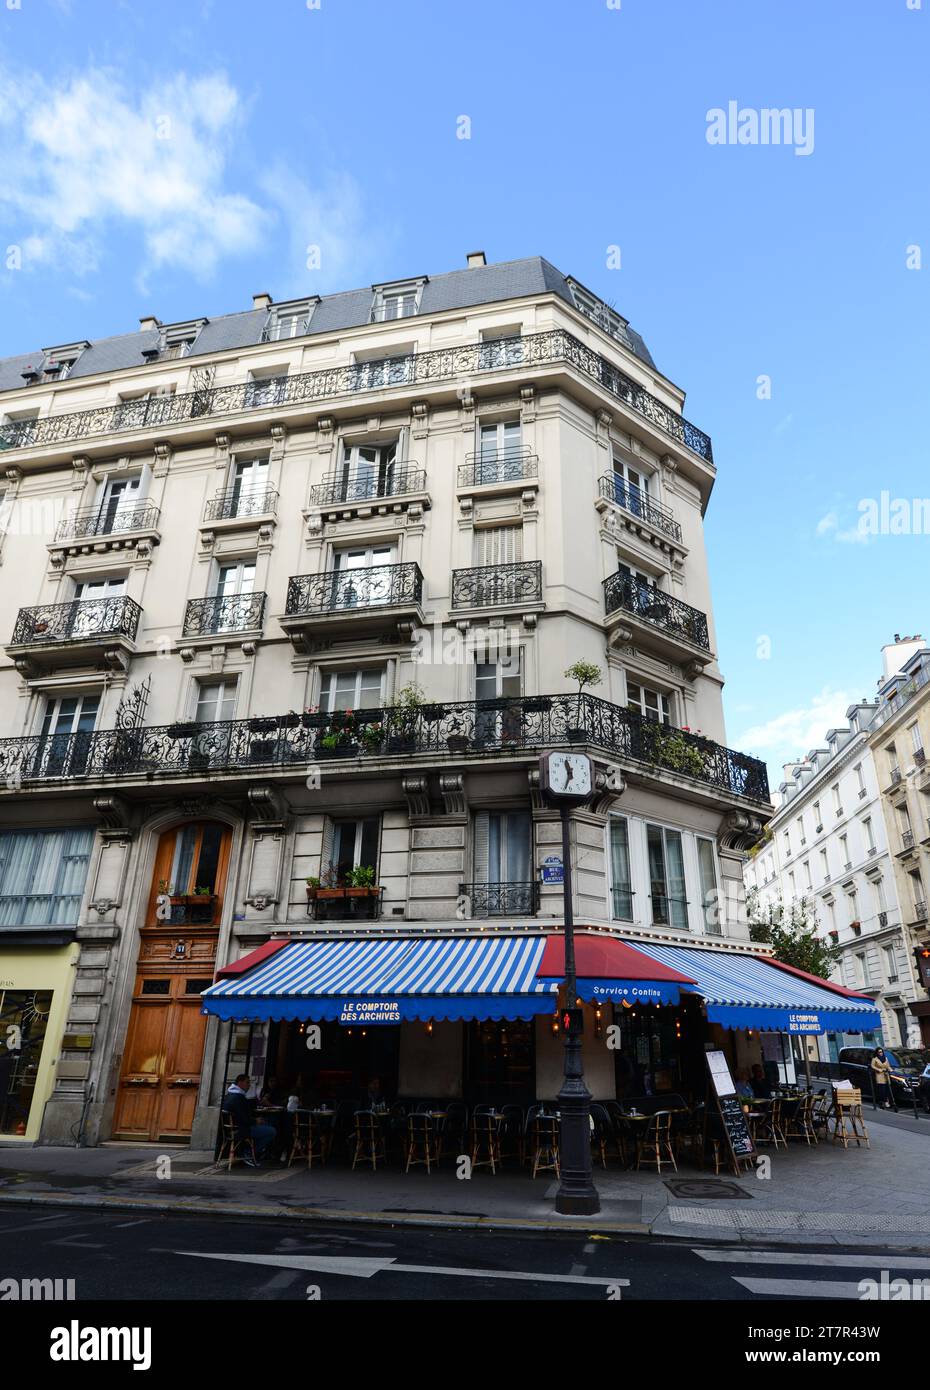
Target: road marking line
x=363, y=1267
x=791, y=1257
x=802, y=1288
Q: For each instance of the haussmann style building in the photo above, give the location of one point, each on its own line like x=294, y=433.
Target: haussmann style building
x=286, y=601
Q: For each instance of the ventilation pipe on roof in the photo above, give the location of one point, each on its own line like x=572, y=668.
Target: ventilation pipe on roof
x=474, y=259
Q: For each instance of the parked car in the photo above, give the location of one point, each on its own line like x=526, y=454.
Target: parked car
x=910, y=1072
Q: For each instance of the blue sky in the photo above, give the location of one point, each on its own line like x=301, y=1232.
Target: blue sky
x=176, y=158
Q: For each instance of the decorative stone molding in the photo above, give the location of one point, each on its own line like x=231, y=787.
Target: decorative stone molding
x=692, y=669
x=416, y=790
x=116, y=660
x=452, y=791
x=609, y=785
x=163, y=455
x=80, y=466
x=260, y=902
x=619, y=635
x=325, y=428
x=248, y=649
x=187, y=654
x=118, y=820
x=13, y=475
x=419, y=419
x=740, y=831
x=268, y=810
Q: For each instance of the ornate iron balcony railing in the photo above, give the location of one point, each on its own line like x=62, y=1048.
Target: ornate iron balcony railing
x=232, y=613
x=634, y=501
x=554, y=348
x=920, y=911
x=498, y=466
x=395, y=309
x=81, y=620
x=907, y=839
x=465, y=728
x=235, y=502
x=489, y=586
x=652, y=605
x=500, y=899
x=336, y=590
x=107, y=521
x=397, y=479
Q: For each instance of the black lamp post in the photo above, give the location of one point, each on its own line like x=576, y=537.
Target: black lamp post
x=567, y=779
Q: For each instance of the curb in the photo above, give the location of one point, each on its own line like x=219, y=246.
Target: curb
x=196, y=1206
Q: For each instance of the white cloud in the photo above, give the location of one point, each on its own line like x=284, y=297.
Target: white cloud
x=331, y=217
x=829, y=525
x=795, y=732
x=84, y=155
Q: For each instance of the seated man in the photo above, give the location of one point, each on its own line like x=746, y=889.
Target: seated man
x=759, y=1083
x=236, y=1103
x=374, y=1098
x=743, y=1088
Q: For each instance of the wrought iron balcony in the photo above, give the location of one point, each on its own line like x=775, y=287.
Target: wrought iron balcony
x=107, y=521
x=365, y=486
x=233, y=502
x=555, y=348
x=456, y=730
x=635, y=501
x=907, y=839
x=337, y=591
x=661, y=610
x=500, y=899
x=81, y=620
x=493, y=586
x=232, y=613
x=498, y=466
x=920, y=911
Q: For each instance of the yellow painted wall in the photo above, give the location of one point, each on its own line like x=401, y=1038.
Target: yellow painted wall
x=41, y=969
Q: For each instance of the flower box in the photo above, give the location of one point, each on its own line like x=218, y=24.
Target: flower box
x=188, y=730
x=537, y=706
x=314, y=721
x=457, y=743
x=341, y=750
x=432, y=713
x=330, y=894
x=371, y=892
x=263, y=726
x=287, y=721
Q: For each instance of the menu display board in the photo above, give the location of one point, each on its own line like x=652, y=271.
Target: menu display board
x=730, y=1108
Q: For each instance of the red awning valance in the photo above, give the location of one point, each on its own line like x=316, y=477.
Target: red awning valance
x=605, y=958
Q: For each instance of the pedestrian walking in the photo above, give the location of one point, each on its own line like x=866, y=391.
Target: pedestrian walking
x=881, y=1077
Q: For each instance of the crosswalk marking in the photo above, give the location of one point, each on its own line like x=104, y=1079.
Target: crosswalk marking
x=801, y=1288
x=804, y=1257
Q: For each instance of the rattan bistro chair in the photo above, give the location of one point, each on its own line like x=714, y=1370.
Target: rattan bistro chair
x=423, y=1141
x=544, y=1141
x=800, y=1123
x=308, y=1140
x=368, y=1139
x=656, y=1143
x=848, y=1121
x=485, y=1140
x=231, y=1145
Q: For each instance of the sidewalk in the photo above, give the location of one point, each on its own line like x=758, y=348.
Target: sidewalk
x=822, y=1194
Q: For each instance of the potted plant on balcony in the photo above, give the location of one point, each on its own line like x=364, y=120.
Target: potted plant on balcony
x=371, y=737
x=288, y=721
x=328, y=888
x=672, y=750
x=537, y=704
x=583, y=673
x=360, y=882
x=313, y=886
x=405, y=718
x=314, y=718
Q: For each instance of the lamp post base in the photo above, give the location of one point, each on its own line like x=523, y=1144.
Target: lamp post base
x=580, y=1204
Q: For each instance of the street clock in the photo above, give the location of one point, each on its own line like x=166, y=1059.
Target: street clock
x=567, y=778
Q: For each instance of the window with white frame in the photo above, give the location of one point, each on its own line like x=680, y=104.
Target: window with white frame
x=818, y=818
x=288, y=321
x=68, y=722
x=632, y=486
x=711, y=906
x=355, y=844
x=852, y=905
x=878, y=890
x=667, y=889
x=867, y=837
x=808, y=880
x=802, y=838
x=363, y=576
x=824, y=866
x=366, y=470
x=891, y=964
x=42, y=875
x=844, y=851
x=651, y=704
x=837, y=803
x=498, y=676
x=621, y=878
x=249, y=484
x=216, y=700
x=786, y=842
x=500, y=452
x=916, y=737
x=860, y=781
x=395, y=304
x=503, y=847
x=352, y=689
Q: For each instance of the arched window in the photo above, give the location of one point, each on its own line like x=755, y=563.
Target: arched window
x=190, y=869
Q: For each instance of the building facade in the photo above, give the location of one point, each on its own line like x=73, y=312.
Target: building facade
x=830, y=842
x=288, y=600
x=899, y=737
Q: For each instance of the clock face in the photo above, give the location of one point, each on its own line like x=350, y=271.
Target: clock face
x=570, y=774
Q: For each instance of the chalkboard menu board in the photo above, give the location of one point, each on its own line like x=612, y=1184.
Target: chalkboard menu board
x=730, y=1108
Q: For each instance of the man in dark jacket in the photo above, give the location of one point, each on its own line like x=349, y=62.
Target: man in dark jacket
x=236, y=1103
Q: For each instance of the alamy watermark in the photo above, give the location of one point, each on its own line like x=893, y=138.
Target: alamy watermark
x=766, y=125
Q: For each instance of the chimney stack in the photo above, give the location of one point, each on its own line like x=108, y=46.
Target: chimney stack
x=149, y=323
x=474, y=259
x=262, y=301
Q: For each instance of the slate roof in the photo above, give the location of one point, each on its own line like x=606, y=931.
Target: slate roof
x=456, y=289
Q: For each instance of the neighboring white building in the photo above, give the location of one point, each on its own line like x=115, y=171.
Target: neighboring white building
x=827, y=843
x=220, y=535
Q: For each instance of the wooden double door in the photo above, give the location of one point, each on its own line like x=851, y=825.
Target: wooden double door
x=163, y=1055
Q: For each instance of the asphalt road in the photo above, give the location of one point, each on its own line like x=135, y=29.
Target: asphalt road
x=117, y=1256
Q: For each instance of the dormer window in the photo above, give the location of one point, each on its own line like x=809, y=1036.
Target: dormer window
x=398, y=301
x=175, y=341
x=288, y=320
x=57, y=363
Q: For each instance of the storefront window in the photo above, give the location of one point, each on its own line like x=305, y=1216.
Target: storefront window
x=23, y=1020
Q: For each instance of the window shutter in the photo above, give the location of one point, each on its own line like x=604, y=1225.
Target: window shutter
x=326, y=850
x=499, y=545
x=480, y=855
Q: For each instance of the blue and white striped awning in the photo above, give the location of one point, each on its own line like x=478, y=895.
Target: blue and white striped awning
x=745, y=992
x=384, y=981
